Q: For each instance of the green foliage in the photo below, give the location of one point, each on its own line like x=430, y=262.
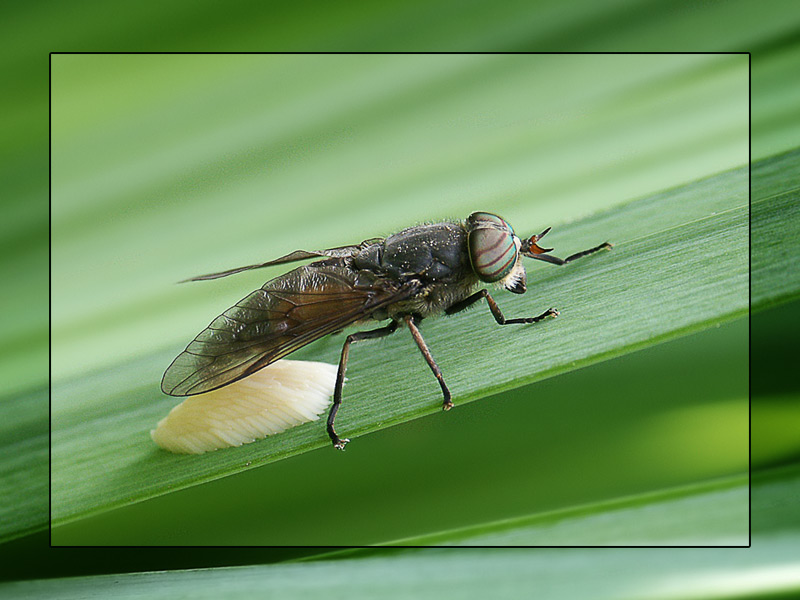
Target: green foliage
x=768, y=569
x=213, y=188
x=137, y=147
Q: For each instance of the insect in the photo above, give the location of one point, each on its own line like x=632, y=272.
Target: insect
x=419, y=272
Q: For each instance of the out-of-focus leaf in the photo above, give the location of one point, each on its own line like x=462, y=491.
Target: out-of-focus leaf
x=715, y=514
x=769, y=568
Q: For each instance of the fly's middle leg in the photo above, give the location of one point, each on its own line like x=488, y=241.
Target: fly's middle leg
x=338, y=442
x=447, y=404
x=496, y=312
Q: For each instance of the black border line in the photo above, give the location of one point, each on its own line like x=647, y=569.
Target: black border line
x=343, y=549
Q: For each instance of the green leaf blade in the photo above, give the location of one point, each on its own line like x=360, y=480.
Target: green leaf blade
x=680, y=264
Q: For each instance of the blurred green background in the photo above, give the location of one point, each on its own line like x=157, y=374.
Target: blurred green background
x=31, y=31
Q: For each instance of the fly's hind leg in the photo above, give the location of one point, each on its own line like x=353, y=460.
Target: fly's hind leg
x=423, y=347
x=496, y=312
x=338, y=442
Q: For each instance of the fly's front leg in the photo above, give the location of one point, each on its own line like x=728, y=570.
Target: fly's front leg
x=603, y=246
x=496, y=312
x=337, y=392
x=531, y=249
x=423, y=347
x=465, y=303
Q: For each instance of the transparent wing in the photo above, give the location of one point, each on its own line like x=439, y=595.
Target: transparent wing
x=285, y=314
x=295, y=256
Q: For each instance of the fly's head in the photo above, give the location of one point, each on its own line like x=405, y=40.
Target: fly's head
x=494, y=251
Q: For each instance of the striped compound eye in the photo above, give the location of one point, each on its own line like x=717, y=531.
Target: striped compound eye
x=493, y=247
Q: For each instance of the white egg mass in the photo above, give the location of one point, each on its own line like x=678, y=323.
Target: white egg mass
x=282, y=395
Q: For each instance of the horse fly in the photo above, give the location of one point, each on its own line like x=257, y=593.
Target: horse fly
x=419, y=272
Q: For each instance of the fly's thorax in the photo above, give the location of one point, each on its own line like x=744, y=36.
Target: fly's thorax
x=433, y=253
x=493, y=247
x=369, y=258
